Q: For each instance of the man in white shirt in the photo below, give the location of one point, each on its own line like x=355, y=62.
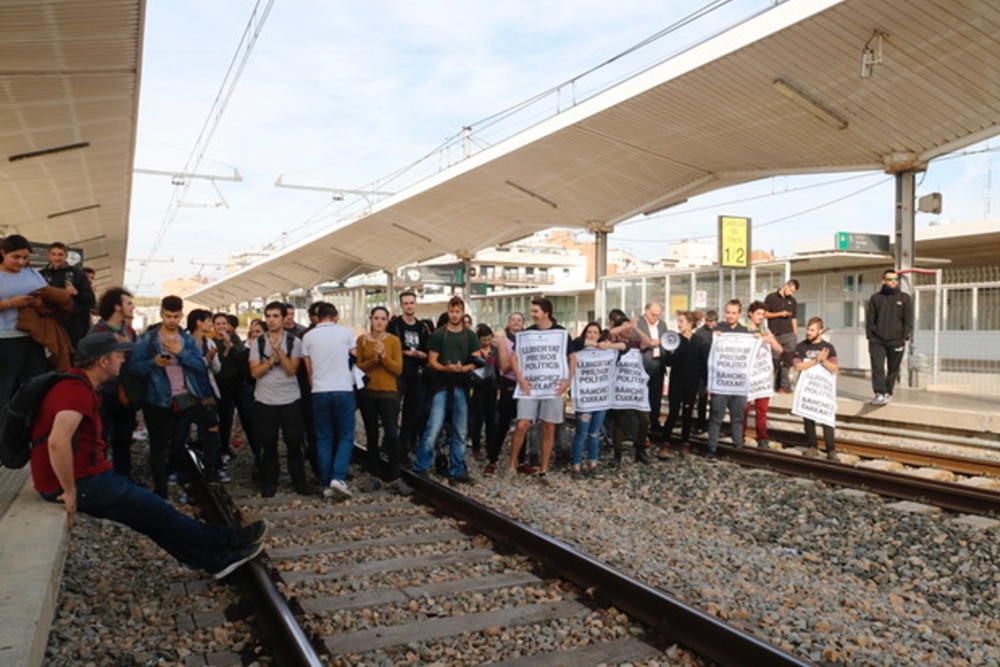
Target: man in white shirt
x=274, y=360
x=327, y=349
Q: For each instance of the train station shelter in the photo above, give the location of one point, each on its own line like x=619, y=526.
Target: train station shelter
x=807, y=86
x=69, y=93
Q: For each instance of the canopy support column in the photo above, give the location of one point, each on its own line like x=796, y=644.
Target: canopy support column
x=600, y=232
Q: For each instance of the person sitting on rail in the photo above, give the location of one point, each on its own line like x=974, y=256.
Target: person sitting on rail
x=814, y=351
x=757, y=313
x=70, y=465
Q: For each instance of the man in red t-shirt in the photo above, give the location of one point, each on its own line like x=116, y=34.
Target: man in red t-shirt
x=70, y=465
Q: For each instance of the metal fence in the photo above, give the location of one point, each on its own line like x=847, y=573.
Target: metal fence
x=958, y=316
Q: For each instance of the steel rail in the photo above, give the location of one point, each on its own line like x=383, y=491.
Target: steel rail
x=938, y=432
x=276, y=624
x=702, y=633
x=967, y=465
x=947, y=495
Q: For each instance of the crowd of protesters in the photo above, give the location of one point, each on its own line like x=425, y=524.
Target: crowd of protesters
x=420, y=390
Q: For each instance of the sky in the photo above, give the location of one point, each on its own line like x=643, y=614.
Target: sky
x=340, y=93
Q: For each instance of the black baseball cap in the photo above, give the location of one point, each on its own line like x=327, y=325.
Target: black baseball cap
x=95, y=345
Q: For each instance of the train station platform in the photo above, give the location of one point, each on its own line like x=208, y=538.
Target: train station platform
x=913, y=407
x=33, y=545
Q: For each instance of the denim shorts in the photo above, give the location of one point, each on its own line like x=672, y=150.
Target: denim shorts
x=549, y=410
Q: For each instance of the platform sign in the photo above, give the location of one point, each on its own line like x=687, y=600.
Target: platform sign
x=861, y=242
x=734, y=242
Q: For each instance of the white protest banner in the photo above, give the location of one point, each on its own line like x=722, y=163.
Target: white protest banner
x=594, y=380
x=541, y=356
x=761, y=374
x=816, y=396
x=729, y=363
x=631, y=392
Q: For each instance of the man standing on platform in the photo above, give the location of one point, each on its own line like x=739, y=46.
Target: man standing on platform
x=889, y=326
x=60, y=273
x=781, y=321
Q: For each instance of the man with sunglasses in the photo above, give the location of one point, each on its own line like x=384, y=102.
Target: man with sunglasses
x=889, y=326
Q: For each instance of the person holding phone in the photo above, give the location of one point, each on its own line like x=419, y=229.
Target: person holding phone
x=23, y=358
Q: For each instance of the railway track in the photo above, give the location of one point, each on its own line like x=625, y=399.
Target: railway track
x=439, y=577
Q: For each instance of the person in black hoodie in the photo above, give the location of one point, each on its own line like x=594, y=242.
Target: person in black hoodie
x=888, y=326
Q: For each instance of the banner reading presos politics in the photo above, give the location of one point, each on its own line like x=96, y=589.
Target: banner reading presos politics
x=816, y=396
x=761, y=374
x=541, y=356
x=631, y=392
x=594, y=380
x=729, y=363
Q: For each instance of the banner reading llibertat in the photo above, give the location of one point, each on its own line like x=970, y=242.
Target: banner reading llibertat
x=816, y=396
x=729, y=363
x=761, y=374
x=541, y=356
x=594, y=380
x=631, y=389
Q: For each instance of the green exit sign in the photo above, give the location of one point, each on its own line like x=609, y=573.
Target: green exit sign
x=861, y=242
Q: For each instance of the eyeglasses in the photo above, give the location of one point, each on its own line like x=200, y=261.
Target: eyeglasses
x=891, y=280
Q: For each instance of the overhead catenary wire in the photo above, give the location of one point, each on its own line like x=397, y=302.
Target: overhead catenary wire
x=252, y=30
x=767, y=223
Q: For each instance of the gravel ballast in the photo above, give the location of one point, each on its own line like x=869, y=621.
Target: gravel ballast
x=833, y=578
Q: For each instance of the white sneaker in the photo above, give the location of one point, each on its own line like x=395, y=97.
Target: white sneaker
x=339, y=488
x=886, y=398
x=878, y=400
x=328, y=492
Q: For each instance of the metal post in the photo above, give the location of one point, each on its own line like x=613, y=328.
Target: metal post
x=938, y=296
x=905, y=223
x=390, y=290
x=600, y=268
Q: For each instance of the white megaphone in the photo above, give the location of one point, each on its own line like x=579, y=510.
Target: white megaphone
x=670, y=341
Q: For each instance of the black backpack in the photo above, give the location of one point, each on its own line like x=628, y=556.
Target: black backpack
x=17, y=417
x=261, y=344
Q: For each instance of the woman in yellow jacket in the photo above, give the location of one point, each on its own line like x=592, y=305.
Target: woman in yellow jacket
x=380, y=356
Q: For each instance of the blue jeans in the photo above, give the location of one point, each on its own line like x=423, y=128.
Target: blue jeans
x=588, y=430
x=108, y=495
x=333, y=412
x=459, y=423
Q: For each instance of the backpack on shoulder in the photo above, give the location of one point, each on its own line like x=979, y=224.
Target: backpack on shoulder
x=18, y=416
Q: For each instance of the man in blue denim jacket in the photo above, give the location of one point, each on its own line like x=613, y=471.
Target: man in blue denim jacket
x=178, y=393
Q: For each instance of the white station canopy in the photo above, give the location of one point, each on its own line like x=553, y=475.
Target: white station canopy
x=69, y=90
x=778, y=94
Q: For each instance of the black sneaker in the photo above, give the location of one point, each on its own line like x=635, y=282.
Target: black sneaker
x=237, y=557
x=402, y=488
x=306, y=489
x=253, y=532
x=464, y=478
